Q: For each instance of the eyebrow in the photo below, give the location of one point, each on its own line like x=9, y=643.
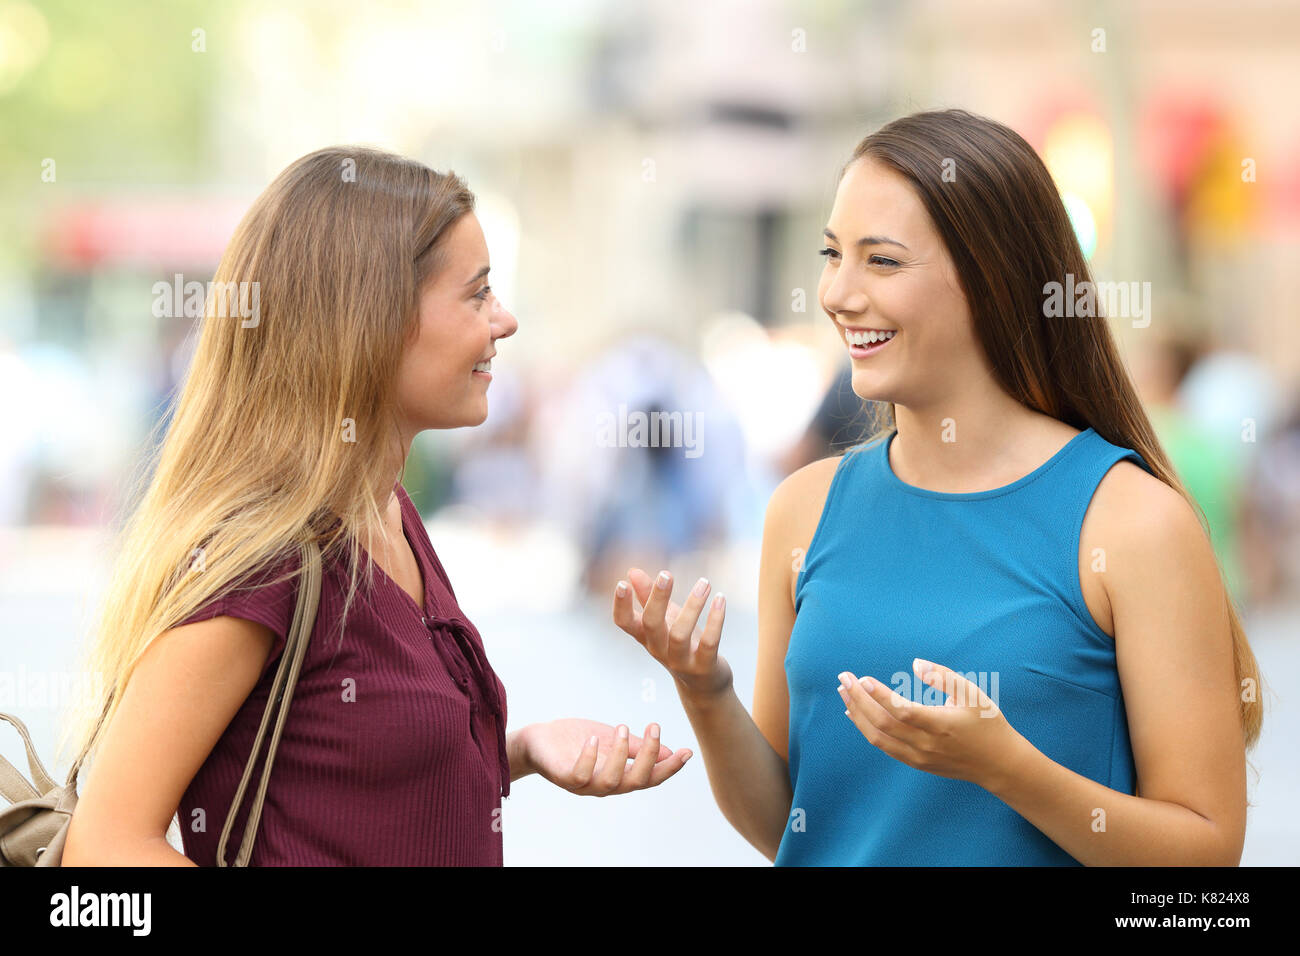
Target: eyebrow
x=478, y=275
x=869, y=240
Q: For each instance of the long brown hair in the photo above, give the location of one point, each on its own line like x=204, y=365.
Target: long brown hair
x=284, y=427
x=1002, y=221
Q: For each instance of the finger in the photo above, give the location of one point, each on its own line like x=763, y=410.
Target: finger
x=960, y=691
x=611, y=775
x=874, y=722
x=712, y=635
x=585, y=765
x=637, y=744
x=641, y=584
x=625, y=613
x=912, y=712
x=652, y=618
x=864, y=698
x=645, y=753
x=666, y=768
x=682, y=632
x=882, y=741
x=644, y=588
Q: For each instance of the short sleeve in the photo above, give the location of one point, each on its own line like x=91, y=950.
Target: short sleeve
x=267, y=597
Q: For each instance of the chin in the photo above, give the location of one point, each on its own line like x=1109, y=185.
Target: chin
x=869, y=388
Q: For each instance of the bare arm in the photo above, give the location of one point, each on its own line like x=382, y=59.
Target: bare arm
x=185, y=690
x=750, y=780
x=1174, y=654
x=745, y=756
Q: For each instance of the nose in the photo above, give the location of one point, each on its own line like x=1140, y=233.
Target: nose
x=504, y=324
x=844, y=294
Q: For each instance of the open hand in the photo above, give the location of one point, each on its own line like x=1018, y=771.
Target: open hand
x=590, y=758
x=966, y=738
x=668, y=632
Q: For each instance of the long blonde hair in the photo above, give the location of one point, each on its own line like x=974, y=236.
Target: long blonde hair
x=284, y=427
x=1004, y=225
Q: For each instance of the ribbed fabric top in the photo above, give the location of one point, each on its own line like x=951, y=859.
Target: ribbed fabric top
x=986, y=583
x=393, y=752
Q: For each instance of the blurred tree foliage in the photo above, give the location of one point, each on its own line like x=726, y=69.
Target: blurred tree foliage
x=113, y=92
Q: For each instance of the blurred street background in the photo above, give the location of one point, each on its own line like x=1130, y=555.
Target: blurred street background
x=652, y=181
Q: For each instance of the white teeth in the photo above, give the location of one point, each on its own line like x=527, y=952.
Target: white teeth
x=484, y=366
x=869, y=338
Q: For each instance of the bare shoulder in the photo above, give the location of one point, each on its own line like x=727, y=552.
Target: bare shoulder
x=1152, y=535
x=796, y=507
x=1133, y=503
x=798, y=500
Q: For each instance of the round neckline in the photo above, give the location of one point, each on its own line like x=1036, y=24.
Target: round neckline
x=1038, y=472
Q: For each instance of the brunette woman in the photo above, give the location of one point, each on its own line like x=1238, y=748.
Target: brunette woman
x=993, y=633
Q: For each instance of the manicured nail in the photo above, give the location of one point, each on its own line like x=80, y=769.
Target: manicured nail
x=846, y=680
x=621, y=589
x=592, y=742
x=622, y=732
x=720, y=601
x=654, y=731
x=701, y=586
x=663, y=579
x=867, y=684
x=687, y=757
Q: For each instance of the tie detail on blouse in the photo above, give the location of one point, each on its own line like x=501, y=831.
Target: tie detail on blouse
x=473, y=655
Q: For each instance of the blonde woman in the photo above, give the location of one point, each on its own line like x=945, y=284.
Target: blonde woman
x=374, y=321
x=995, y=632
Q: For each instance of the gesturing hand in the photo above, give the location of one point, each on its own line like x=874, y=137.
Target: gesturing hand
x=602, y=752
x=966, y=737
x=668, y=631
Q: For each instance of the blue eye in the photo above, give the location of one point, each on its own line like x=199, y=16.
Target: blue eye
x=483, y=293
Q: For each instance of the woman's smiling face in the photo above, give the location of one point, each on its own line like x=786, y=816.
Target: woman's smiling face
x=887, y=269
x=460, y=320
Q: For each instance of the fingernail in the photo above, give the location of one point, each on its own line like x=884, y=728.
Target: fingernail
x=701, y=586
x=687, y=757
x=592, y=741
x=868, y=684
x=654, y=731
x=622, y=732
x=720, y=601
x=663, y=579
x=621, y=589
x=846, y=680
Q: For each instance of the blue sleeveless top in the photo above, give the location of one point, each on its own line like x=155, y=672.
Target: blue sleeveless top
x=986, y=583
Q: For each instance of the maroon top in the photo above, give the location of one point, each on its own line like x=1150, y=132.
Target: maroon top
x=393, y=752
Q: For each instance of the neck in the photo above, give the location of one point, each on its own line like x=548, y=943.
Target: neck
x=401, y=451
x=965, y=442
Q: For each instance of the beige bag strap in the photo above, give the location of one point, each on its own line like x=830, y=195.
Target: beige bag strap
x=286, y=678
x=12, y=785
